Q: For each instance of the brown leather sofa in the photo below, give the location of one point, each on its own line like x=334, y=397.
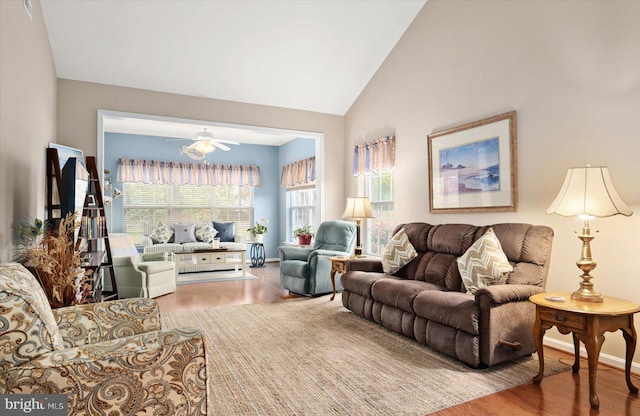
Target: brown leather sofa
x=426, y=299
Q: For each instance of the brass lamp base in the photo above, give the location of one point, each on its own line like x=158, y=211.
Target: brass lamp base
x=586, y=264
x=587, y=295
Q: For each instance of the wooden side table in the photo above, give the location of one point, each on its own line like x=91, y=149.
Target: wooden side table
x=587, y=322
x=338, y=265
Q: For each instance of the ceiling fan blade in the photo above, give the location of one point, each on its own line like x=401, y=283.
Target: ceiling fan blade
x=220, y=145
x=226, y=141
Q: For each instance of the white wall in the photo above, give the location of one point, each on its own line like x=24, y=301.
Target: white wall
x=27, y=116
x=570, y=69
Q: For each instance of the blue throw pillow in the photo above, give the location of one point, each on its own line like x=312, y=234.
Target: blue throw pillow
x=226, y=231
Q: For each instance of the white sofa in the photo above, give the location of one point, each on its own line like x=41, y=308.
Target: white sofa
x=178, y=250
x=150, y=247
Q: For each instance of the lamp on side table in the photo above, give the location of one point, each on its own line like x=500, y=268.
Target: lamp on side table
x=588, y=192
x=358, y=208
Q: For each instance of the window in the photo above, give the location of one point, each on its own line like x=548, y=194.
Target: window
x=152, y=203
x=379, y=187
x=302, y=207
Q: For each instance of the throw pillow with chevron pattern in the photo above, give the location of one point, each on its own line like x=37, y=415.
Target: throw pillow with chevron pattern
x=484, y=263
x=397, y=253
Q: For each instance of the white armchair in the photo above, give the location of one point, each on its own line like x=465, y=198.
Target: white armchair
x=156, y=275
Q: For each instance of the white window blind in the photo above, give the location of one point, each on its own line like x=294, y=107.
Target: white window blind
x=301, y=207
x=379, y=229
x=152, y=203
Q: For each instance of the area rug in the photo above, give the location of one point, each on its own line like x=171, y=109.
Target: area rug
x=314, y=357
x=218, y=276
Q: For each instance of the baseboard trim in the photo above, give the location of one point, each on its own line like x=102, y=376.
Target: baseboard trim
x=610, y=360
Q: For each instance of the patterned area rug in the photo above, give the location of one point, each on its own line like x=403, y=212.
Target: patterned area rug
x=314, y=357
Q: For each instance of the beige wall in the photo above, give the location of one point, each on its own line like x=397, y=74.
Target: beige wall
x=571, y=70
x=78, y=103
x=27, y=116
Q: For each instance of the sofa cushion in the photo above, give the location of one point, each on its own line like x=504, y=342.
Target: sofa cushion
x=400, y=293
x=484, y=263
x=397, y=253
x=454, y=309
x=184, y=233
x=438, y=247
x=226, y=231
x=154, y=267
x=161, y=234
x=177, y=248
x=360, y=282
x=205, y=232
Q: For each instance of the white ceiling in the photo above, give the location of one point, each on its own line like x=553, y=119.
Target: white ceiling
x=302, y=54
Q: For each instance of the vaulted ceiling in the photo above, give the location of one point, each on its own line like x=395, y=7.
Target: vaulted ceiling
x=302, y=54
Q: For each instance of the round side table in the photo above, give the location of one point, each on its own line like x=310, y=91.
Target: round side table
x=257, y=254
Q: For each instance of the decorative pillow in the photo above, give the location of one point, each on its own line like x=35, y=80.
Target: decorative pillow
x=161, y=234
x=205, y=232
x=397, y=253
x=226, y=231
x=484, y=263
x=184, y=233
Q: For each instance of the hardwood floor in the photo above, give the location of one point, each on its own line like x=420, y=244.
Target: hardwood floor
x=562, y=394
x=266, y=288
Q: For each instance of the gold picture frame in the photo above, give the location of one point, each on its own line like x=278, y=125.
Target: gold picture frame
x=474, y=167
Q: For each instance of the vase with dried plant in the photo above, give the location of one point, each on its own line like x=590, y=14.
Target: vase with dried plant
x=56, y=263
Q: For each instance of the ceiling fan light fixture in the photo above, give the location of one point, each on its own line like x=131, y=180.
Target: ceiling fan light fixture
x=204, y=147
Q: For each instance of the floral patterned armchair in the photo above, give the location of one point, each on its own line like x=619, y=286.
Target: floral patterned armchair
x=108, y=358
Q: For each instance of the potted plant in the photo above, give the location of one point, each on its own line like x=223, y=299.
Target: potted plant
x=304, y=235
x=259, y=229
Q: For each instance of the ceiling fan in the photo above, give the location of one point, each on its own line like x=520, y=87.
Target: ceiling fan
x=205, y=143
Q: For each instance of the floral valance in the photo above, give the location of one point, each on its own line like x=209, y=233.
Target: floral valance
x=153, y=171
x=377, y=155
x=300, y=173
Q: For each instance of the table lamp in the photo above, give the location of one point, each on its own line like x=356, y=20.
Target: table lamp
x=588, y=192
x=357, y=209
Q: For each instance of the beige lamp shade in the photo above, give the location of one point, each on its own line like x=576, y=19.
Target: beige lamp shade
x=358, y=208
x=588, y=190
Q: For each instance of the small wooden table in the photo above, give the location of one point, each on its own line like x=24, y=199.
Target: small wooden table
x=587, y=322
x=338, y=265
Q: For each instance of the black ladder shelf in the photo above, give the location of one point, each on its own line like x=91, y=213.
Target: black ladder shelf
x=93, y=237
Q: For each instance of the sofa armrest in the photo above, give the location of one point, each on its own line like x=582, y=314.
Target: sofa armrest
x=294, y=253
x=159, y=256
x=97, y=322
x=499, y=294
x=364, y=264
x=146, y=241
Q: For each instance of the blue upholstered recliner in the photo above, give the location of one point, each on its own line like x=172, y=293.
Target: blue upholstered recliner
x=306, y=270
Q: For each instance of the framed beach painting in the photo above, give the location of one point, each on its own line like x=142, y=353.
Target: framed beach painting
x=473, y=167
